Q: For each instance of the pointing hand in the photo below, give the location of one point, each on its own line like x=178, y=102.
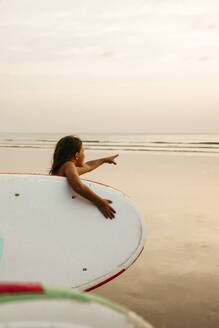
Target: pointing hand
x=111, y=159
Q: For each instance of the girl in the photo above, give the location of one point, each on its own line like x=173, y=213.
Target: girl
x=68, y=161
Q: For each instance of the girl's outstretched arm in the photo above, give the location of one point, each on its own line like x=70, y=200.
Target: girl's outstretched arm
x=92, y=165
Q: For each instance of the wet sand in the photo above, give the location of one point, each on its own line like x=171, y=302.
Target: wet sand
x=174, y=283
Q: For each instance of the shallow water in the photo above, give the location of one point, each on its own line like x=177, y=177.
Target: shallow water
x=165, y=143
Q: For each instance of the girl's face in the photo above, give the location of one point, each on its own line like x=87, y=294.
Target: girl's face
x=79, y=157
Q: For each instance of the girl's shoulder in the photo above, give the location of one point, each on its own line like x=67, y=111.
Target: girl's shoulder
x=65, y=166
x=68, y=163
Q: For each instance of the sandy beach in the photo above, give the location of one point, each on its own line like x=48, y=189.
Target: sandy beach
x=174, y=284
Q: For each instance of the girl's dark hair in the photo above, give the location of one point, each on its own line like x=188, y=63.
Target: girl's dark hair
x=65, y=149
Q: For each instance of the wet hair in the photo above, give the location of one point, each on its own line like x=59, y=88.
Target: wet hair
x=65, y=149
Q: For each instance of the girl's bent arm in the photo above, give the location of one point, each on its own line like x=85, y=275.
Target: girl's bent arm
x=74, y=180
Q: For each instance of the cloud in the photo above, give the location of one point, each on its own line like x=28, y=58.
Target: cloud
x=108, y=54
x=212, y=27
x=204, y=58
x=203, y=26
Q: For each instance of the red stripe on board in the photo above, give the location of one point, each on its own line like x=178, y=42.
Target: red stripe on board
x=116, y=275
x=136, y=257
x=59, y=176
x=103, y=184
x=18, y=173
x=105, y=281
x=16, y=288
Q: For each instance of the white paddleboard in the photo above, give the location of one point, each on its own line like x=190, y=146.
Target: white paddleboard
x=37, y=306
x=49, y=233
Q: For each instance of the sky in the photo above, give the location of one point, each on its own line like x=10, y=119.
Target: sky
x=148, y=66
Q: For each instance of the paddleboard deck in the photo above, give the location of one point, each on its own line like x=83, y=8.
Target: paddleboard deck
x=49, y=233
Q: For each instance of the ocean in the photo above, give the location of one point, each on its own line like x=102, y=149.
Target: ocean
x=166, y=143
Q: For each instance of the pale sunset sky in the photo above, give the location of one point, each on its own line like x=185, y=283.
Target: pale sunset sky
x=147, y=66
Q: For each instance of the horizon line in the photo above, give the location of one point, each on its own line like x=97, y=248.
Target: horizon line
x=109, y=132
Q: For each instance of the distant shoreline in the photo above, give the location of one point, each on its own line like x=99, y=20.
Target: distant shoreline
x=155, y=143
